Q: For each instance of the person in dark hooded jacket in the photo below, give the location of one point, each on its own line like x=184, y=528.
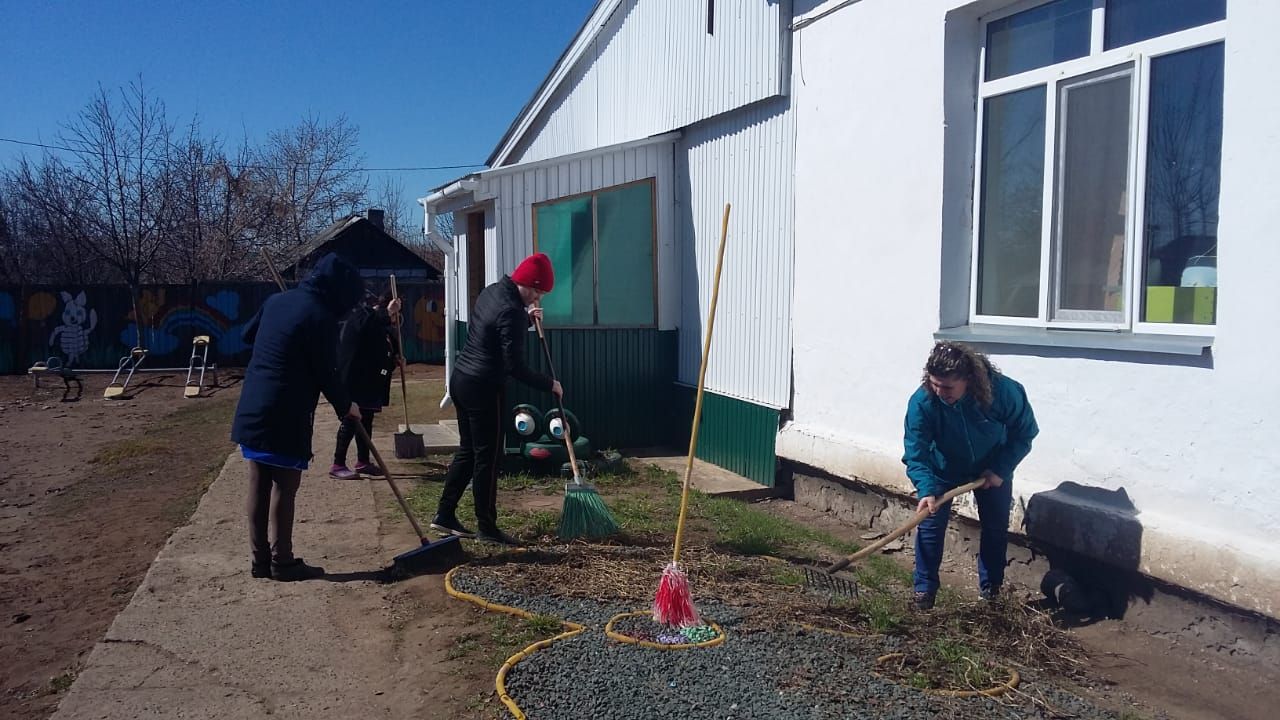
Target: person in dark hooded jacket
x=494, y=349
x=368, y=352
x=294, y=339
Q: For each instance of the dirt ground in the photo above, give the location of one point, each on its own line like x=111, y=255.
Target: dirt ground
x=1170, y=676
x=90, y=491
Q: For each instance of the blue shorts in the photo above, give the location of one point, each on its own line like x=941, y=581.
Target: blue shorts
x=273, y=459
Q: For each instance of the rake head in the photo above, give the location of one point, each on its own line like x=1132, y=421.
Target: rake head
x=819, y=580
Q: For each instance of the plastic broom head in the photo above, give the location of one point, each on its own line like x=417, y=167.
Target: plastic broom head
x=673, y=603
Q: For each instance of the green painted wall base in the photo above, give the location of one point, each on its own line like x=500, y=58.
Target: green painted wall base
x=621, y=385
x=737, y=435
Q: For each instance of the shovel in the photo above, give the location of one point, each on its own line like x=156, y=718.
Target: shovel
x=408, y=444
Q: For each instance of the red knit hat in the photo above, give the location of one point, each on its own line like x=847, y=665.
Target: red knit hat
x=535, y=272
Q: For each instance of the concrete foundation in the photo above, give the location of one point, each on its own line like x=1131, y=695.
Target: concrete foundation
x=1096, y=527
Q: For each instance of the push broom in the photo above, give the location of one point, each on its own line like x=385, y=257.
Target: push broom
x=673, y=603
x=584, y=513
x=408, y=444
x=432, y=554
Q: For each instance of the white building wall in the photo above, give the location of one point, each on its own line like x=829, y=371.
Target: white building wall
x=514, y=190
x=1191, y=445
x=745, y=158
x=654, y=68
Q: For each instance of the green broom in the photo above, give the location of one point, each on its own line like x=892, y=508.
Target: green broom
x=585, y=514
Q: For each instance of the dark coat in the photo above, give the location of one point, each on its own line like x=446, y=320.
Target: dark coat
x=496, y=332
x=294, y=338
x=367, y=353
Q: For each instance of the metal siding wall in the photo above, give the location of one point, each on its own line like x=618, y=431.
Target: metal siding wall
x=515, y=194
x=734, y=434
x=653, y=68
x=746, y=158
x=620, y=384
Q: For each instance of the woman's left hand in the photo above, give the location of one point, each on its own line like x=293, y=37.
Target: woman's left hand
x=535, y=313
x=992, y=480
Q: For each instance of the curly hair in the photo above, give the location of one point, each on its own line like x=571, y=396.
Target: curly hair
x=957, y=361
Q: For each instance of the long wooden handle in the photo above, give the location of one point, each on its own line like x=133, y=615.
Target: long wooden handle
x=404, y=389
x=702, y=378
x=906, y=527
x=564, y=418
x=275, y=274
x=386, y=472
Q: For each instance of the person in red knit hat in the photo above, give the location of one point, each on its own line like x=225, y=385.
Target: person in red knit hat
x=494, y=349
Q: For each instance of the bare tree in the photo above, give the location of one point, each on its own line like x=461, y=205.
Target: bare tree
x=125, y=170
x=390, y=198
x=44, y=208
x=310, y=177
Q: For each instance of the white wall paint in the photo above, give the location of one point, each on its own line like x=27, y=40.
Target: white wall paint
x=745, y=158
x=1192, y=446
x=654, y=68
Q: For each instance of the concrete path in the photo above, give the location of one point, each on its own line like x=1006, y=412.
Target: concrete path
x=711, y=479
x=201, y=639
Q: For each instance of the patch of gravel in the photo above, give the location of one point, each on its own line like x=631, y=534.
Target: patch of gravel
x=782, y=675
x=592, y=613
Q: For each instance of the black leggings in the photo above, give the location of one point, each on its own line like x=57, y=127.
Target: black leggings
x=346, y=431
x=272, y=492
x=478, y=403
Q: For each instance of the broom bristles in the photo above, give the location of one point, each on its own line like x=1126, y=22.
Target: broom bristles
x=673, y=603
x=585, y=515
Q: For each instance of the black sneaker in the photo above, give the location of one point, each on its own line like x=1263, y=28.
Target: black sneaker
x=922, y=600
x=498, y=537
x=450, y=526
x=991, y=593
x=295, y=570
x=262, y=571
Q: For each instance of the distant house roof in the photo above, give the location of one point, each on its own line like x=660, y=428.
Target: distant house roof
x=364, y=244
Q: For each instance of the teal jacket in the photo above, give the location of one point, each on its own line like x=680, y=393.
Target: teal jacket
x=946, y=446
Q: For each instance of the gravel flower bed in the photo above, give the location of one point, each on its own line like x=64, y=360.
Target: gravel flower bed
x=777, y=674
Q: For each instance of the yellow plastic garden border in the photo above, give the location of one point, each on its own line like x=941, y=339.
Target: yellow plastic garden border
x=1000, y=689
x=500, y=683
x=609, y=631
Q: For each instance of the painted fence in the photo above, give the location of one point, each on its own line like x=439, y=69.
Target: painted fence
x=93, y=326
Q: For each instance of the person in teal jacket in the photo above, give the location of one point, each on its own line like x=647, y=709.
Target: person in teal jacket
x=966, y=421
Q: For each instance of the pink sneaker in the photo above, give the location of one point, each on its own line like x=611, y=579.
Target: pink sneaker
x=368, y=470
x=341, y=472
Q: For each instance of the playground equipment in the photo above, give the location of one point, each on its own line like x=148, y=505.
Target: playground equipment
x=54, y=366
x=199, y=351
x=115, y=388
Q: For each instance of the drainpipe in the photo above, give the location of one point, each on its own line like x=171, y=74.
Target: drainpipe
x=449, y=248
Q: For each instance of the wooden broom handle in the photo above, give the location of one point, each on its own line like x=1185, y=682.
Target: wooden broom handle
x=906, y=527
x=386, y=472
x=702, y=377
x=404, y=390
x=275, y=274
x=564, y=418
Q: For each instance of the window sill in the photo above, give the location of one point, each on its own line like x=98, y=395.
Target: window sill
x=1088, y=339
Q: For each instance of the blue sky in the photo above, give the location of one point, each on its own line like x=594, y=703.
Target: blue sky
x=428, y=82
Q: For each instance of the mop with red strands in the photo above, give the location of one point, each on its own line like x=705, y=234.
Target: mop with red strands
x=673, y=603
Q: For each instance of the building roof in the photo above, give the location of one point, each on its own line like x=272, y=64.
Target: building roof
x=361, y=242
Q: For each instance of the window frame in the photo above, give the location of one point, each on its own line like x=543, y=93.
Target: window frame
x=595, y=250
x=1139, y=56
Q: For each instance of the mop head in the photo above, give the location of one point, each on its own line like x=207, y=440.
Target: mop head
x=584, y=514
x=673, y=605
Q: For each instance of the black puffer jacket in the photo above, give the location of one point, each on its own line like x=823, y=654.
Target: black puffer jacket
x=295, y=338
x=496, y=334
x=367, y=353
